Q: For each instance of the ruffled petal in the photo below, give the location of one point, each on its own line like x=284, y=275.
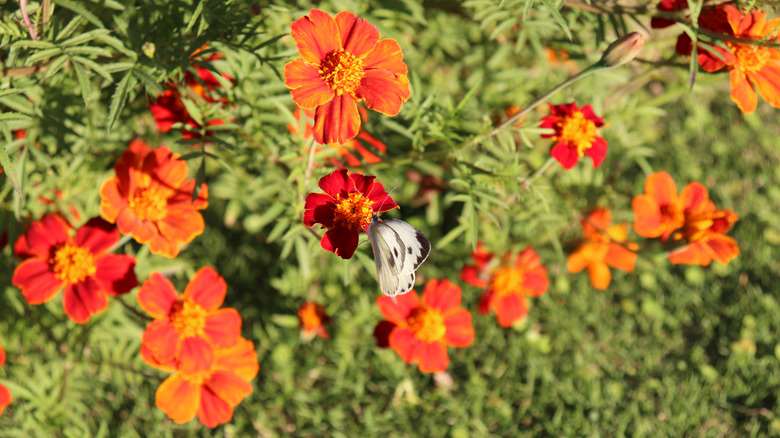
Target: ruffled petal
x=695, y=253
x=37, y=282
x=181, y=224
x=661, y=187
x=382, y=333
x=403, y=342
x=44, y=235
x=150, y=359
x=566, y=155
x=307, y=87
x=723, y=248
x=647, y=216
x=460, y=332
x=600, y=276
x=535, y=282
x=178, y=398
x=157, y=296
x=441, y=294
x=239, y=359
x=213, y=410
x=579, y=259
x=229, y=387
x=316, y=35
x=111, y=200
x=84, y=299
x=597, y=151
x=510, y=309
x=223, y=327
x=767, y=83
x=387, y=55
x=5, y=398
x=341, y=241
x=195, y=355
x=161, y=339
x=396, y=311
x=693, y=197
x=338, y=182
x=163, y=246
x=98, y=235
x=470, y=275
x=742, y=92
x=207, y=288
x=433, y=357
x=319, y=209
x=116, y=273
x=619, y=257
x=337, y=120
x=358, y=36
x=383, y=91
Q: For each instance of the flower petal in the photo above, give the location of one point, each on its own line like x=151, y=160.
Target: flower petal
x=470, y=275
x=396, y=311
x=600, y=276
x=564, y=154
x=597, y=151
x=661, y=187
x=161, y=339
x=84, y=299
x=178, y=398
x=229, y=387
x=460, y=332
x=5, y=398
x=387, y=55
x=213, y=410
x=340, y=241
x=619, y=257
x=116, y=273
x=239, y=359
x=319, y=209
x=42, y=236
x=206, y=288
x=382, y=333
x=580, y=258
x=767, y=82
x=433, y=357
x=37, y=282
x=441, y=294
x=181, y=224
x=223, y=327
x=403, y=342
x=111, y=200
x=195, y=355
x=384, y=91
x=316, y=35
x=157, y=296
x=742, y=92
x=336, y=121
x=358, y=36
x=510, y=309
x=307, y=87
x=647, y=216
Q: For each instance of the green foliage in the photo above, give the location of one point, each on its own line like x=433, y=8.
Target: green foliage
x=666, y=350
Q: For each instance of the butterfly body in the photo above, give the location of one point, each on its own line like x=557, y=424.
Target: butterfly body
x=399, y=249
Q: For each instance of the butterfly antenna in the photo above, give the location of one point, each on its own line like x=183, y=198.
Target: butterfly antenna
x=388, y=195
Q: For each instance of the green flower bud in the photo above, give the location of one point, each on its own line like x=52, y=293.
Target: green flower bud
x=623, y=50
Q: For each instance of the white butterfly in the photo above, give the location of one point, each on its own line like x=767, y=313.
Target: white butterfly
x=399, y=249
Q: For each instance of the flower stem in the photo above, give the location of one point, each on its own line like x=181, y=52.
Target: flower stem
x=119, y=243
x=530, y=179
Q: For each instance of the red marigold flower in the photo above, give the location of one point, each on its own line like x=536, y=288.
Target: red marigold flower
x=5, y=395
x=689, y=217
x=576, y=134
x=54, y=260
x=508, y=284
x=213, y=393
x=312, y=318
x=345, y=151
x=151, y=199
x=346, y=208
x=420, y=330
x=188, y=328
x=605, y=246
x=342, y=62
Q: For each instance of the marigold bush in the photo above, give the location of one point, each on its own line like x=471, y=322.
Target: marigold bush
x=187, y=195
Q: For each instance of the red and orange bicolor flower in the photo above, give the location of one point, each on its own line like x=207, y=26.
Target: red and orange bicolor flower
x=5, y=395
x=188, y=329
x=150, y=198
x=81, y=265
x=342, y=62
x=508, y=283
x=605, y=246
x=346, y=208
x=312, y=319
x=420, y=330
x=211, y=394
x=576, y=134
x=346, y=150
x=690, y=218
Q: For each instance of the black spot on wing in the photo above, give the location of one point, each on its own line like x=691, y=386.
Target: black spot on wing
x=409, y=250
x=425, y=248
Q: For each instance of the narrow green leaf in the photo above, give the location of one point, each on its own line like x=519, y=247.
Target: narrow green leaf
x=193, y=110
x=10, y=171
x=558, y=17
x=43, y=54
x=66, y=31
x=200, y=178
x=84, y=84
x=11, y=91
x=32, y=44
x=118, y=100
x=80, y=10
x=84, y=37
x=94, y=66
x=13, y=116
x=88, y=50
x=118, y=45
x=152, y=87
x=195, y=14
x=56, y=65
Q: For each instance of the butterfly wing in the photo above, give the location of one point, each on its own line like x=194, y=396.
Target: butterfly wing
x=399, y=249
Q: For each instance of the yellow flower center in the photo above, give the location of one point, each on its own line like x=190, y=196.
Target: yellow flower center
x=750, y=58
x=672, y=216
x=197, y=378
x=72, y=263
x=578, y=131
x=507, y=280
x=188, y=318
x=149, y=204
x=353, y=211
x=427, y=324
x=342, y=71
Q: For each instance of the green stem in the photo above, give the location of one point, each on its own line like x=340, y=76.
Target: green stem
x=124, y=239
x=531, y=179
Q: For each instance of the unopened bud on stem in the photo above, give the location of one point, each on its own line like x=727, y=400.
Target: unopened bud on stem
x=623, y=50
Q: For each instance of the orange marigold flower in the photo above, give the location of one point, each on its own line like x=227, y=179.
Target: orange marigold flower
x=420, y=330
x=605, y=246
x=346, y=151
x=508, y=284
x=342, y=62
x=689, y=217
x=576, y=134
x=5, y=394
x=188, y=328
x=312, y=318
x=346, y=208
x=151, y=199
x=210, y=394
x=54, y=260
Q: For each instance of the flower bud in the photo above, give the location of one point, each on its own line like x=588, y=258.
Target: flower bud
x=623, y=50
